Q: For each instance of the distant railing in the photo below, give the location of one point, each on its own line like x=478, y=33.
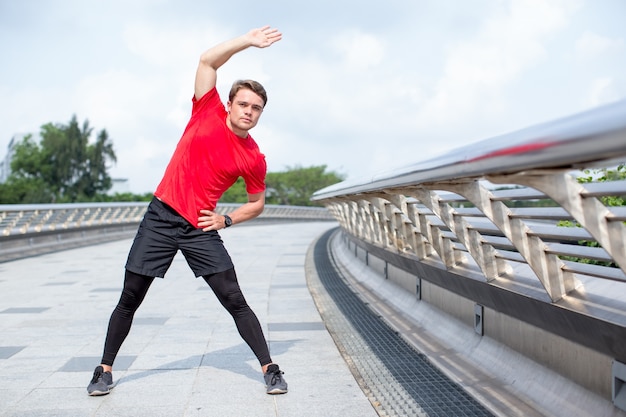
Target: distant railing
x=17, y=220
x=469, y=208
x=38, y=228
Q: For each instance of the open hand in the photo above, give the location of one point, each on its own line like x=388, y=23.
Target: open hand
x=264, y=37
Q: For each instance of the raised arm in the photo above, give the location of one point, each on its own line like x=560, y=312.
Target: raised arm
x=211, y=60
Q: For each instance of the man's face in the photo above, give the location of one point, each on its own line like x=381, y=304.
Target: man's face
x=244, y=111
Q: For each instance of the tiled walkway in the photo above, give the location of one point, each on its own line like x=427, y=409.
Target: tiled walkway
x=184, y=356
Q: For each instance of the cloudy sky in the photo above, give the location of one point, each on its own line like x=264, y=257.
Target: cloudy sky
x=359, y=86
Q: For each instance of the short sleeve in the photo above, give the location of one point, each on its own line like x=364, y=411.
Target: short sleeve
x=210, y=102
x=255, y=180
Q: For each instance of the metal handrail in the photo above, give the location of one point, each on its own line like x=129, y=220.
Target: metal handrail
x=33, y=229
x=450, y=211
x=572, y=142
x=19, y=220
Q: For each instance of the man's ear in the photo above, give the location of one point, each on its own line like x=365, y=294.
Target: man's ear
x=228, y=106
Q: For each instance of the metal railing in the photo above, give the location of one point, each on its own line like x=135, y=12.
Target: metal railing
x=470, y=206
x=479, y=234
x=38, y=228
x=17, y=220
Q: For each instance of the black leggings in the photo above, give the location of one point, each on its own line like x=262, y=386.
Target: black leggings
x=224, y=285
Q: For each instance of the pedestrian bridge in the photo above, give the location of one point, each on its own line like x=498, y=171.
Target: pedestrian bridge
x=488, y=281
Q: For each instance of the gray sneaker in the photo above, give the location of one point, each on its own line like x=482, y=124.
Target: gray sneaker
x=101, y=383
x=274, y=380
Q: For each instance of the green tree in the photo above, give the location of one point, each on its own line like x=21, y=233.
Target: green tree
x=26, y=184
x=296, y=185
x=63, y=167
x=126, y=197
x=95, y=178
x=24, y=191
x=235, y=194
x=598, y=175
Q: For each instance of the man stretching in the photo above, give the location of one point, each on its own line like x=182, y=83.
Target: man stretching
x=214, y=151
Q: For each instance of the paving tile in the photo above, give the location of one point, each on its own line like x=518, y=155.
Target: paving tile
x=294, y=327
x=7, y=351
x=24, y=310
x=184, y=355
x=152, y=321
x=88, y=363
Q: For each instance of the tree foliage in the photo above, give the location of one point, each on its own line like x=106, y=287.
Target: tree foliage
x=598, y=175
x=126, y=197
x=235, y=194
x=66, y=167
x=294, y=187
x=63, y=167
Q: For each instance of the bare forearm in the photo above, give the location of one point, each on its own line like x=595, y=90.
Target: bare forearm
x=219, y=54
x=210, y=220
x=212, y=59
x=245, y=212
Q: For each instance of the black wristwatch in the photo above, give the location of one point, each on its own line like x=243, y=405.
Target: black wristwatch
x=227, y=221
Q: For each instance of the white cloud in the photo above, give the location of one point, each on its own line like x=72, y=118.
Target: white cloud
x=372, y=88
x=105, y=96
x=358, y=51
x=510, y=42
x=603, y=91
x=168, y=45
x=592, y=45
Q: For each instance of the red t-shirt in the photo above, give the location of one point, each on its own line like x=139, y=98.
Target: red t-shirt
x=208, y=160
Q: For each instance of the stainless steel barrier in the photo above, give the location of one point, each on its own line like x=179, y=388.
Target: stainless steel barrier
x=463, y=207
x=27, y=230
x=547, y=278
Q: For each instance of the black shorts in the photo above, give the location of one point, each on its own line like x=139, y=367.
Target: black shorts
x=162, y=233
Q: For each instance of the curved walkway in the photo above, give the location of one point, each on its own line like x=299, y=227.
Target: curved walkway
x=183, y=356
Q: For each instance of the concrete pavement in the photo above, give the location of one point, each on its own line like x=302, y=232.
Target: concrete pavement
x=183, y=356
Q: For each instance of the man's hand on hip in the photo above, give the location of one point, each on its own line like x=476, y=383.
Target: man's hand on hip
x=210, y=220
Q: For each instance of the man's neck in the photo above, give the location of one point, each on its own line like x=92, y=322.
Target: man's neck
x=243, y=134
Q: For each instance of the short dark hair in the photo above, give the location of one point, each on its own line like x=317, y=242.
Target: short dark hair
x=252, y=85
